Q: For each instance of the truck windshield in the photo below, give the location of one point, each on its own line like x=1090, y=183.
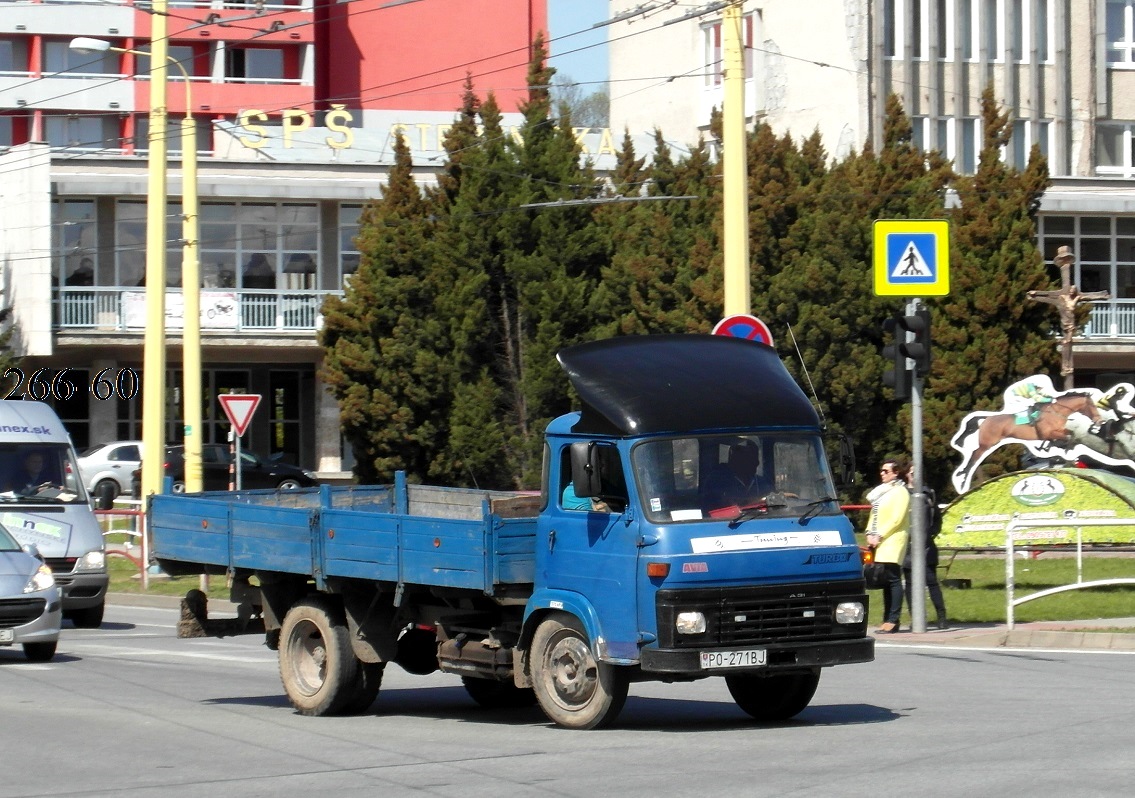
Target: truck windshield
x=38, y=473
x=731, y=477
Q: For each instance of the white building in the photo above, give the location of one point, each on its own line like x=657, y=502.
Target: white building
x=1065, y=69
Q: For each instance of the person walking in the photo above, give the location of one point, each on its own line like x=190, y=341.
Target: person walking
x=888, y=533
x=932, y=526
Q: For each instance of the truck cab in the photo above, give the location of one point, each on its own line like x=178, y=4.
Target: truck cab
x=691, y=521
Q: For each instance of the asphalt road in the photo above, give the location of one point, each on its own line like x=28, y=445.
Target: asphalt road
x=130, y=710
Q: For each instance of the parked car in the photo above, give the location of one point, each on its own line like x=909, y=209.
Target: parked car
x=31, y=609
x=106, y=468
x=256, y=472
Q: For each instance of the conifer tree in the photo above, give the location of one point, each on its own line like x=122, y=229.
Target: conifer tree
x=986, y=333
x=381, y=351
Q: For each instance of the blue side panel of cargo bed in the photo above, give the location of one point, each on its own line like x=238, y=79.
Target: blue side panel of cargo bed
x=192, y=531
x=444, y=551
x=274, y=539
x=362, y=545
x=514, y=541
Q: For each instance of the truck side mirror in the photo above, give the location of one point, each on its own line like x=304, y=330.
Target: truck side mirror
x=845, y=469
x=586, y=480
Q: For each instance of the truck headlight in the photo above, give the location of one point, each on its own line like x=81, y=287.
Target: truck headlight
x=850, y=612
x=91, y=561
x=42, y=579
x=690, y=623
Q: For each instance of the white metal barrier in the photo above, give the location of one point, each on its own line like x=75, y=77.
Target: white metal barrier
x=1010, y=563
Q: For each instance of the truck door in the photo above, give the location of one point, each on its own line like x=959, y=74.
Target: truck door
x=592, y=549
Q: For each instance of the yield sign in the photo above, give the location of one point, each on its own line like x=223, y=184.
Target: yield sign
x=239, y=408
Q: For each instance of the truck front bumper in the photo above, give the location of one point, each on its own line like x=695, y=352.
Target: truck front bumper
x=778, y=657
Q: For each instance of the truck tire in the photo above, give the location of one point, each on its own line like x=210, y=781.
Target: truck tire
x=773, y=698
x=367, y=683
x=573, y=688
x=317, y=666
x=88, y=617
x=491, y=694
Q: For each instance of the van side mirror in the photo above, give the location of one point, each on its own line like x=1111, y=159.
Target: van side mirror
x=33, y=550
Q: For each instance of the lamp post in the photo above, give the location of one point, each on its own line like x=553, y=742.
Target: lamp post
x=153, y=411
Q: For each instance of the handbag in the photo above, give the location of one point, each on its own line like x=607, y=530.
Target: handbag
x=874, y=573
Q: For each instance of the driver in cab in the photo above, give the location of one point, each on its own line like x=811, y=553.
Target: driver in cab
x=736, y=482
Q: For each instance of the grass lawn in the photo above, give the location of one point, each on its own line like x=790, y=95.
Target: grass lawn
x=125, y=577
x=985, y=600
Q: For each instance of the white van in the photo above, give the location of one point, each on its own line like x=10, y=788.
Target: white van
x=43, y=501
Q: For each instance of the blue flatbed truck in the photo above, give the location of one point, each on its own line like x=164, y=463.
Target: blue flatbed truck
x=562, y=599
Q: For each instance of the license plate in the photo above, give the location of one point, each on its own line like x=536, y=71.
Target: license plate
x=747, y=658
x=7, y=635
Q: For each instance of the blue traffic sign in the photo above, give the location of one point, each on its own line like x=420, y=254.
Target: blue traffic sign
x=744, y=326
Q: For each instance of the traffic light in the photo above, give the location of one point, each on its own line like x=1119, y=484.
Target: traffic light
x=897, y=377
x=917, y=345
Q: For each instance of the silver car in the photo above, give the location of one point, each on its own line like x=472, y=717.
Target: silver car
x=30, y=608
x=106, y=468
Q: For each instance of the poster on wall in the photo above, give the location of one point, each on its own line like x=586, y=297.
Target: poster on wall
x=1065, y=425
x=219, y=310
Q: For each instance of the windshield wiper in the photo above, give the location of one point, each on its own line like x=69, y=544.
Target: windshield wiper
x=814, y=509
x=754, y=511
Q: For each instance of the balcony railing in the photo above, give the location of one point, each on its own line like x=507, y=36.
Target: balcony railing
x=1114, y=319
x=222, y=312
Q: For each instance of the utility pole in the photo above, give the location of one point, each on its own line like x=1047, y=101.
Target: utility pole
x=735, y=172
x=1066, y=300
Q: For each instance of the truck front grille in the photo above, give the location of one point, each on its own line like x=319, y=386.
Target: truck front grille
x=758, y=615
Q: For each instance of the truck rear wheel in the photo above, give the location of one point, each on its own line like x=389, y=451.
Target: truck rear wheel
x=491, y=694
x=317, y=666
x=367, y=683
x=773, y=698
x=573, y=688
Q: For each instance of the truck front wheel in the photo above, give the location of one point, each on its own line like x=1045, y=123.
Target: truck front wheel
x=773, y=698
x=368, y=680
x=317, y=666
x=572, y=687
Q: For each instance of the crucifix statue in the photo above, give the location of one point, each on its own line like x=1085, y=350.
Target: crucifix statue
x=1066, y=300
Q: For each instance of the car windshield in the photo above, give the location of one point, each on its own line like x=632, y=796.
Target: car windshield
x=38, y=473
x=734, y=477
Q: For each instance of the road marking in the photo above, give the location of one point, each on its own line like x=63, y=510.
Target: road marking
x=147, y=652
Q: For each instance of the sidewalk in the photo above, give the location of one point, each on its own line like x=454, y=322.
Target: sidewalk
x=1093, y=635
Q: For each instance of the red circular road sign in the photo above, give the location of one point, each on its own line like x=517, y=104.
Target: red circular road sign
x=744, y=326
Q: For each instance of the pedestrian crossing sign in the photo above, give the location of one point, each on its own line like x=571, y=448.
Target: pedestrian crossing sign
x=911, y=258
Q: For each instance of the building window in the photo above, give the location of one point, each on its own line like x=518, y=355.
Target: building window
x=63, y=62
x=993, y=29
x=81, y=131
x=1026, y=133
x=251, y=64
x=1121, y=33
x=1114, y=149
x=1104, y=247
x=348, y=250
x=130, y=244
x=13, y=56
x=74, y=241
x=715, y=50
x=895, y=28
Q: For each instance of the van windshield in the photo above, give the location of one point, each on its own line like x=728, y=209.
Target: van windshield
x=38, y=473
x=734, y=477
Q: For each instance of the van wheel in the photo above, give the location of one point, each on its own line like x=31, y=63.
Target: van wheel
x=317, y=666
x=39, y=652
x=773, y=698
x=88, y=617
x=573, y=688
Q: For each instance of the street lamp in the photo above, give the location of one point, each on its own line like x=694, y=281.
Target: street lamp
x=153, y=411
